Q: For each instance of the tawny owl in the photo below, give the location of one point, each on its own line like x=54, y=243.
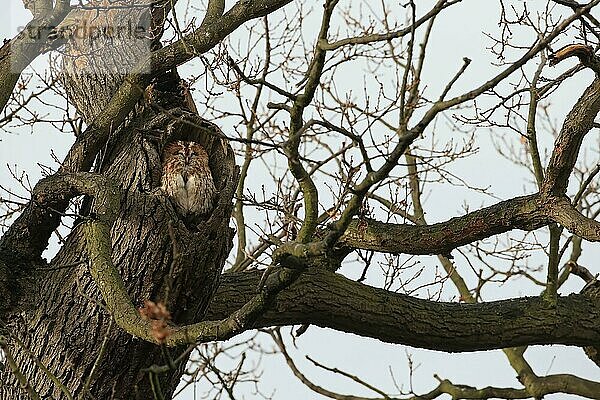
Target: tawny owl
x=187, y=179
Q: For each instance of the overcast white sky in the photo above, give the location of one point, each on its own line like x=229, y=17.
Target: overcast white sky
x=459, y=34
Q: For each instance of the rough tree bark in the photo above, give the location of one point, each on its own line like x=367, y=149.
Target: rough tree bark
x=159, y=258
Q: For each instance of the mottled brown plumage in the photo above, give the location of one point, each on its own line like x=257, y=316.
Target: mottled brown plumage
x=187, y=179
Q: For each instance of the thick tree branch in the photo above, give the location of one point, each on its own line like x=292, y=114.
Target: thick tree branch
x=563, y=212
x=518, y=213
x=566, y=147
x=584, y=53
x=322, y=298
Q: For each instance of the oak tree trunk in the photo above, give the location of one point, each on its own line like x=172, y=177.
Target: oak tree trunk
x=158, y=256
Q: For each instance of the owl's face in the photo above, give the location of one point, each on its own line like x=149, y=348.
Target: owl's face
x=186, y=153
